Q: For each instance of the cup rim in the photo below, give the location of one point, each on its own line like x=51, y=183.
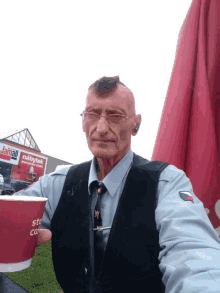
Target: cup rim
x=22, y=198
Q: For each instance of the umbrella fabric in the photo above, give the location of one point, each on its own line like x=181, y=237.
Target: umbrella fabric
x=189, y=132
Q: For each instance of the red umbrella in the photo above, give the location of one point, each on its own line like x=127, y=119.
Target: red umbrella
x=189, y=132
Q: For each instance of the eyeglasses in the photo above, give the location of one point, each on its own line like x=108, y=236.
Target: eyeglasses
x=111, y=118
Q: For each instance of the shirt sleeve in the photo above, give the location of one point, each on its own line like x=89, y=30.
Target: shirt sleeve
x=49, y=186
x=190, y=255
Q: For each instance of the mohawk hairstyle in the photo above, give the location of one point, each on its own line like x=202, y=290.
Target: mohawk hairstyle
x=105, y=85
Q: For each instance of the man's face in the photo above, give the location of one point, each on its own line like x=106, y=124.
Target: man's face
x=108, y=140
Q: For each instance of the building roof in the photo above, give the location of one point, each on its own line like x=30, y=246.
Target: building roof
x=22, y=137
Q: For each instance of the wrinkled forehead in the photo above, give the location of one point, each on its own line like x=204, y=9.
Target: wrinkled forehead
x=122, y=99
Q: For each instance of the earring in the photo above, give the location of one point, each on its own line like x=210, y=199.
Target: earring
x=136, y=127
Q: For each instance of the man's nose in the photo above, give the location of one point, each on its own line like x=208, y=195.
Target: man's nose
x=102, y=126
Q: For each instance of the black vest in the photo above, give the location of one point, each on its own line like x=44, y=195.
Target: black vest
x=131, y=257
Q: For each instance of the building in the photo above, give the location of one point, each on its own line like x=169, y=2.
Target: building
x=21, y=161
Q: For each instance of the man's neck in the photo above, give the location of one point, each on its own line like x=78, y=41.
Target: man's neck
x=105, y=165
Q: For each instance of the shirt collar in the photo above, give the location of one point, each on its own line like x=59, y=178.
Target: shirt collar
x=114, y=178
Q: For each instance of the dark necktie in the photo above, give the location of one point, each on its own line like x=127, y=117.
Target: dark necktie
x=98, y=237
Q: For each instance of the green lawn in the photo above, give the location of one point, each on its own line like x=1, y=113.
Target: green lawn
x=40, y=276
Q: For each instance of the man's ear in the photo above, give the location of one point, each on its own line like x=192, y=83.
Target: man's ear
x=83, y=126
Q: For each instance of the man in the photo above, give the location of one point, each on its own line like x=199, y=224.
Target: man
x=155, y=230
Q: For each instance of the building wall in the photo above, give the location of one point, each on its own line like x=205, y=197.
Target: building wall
x=20, y=166
x=13, y=175
x=52, y=163
x=21, y=147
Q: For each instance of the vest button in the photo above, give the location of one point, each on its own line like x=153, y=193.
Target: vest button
x=85, y=271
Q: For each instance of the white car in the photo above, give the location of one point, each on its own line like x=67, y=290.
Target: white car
x=1, y=183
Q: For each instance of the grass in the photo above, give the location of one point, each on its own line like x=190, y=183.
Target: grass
x=40, y=276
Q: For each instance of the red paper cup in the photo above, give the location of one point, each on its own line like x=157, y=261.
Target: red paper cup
x=20, y=219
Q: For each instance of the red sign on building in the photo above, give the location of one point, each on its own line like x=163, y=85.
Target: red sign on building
x=29, y=168
x=5, y=154
x=9, y=154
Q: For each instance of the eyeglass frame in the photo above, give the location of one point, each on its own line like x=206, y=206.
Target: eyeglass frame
x=124, y=116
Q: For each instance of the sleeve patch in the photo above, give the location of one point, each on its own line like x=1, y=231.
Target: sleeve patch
x=185, y=195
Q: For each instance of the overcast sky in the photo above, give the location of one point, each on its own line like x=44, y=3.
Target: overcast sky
x=51, y=51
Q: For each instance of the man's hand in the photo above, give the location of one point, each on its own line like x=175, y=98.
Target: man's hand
x=44, y=236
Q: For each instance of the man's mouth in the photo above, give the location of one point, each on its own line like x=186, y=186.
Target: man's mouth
x=103, y=140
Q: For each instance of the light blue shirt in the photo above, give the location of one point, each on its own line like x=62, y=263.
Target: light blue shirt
x=190, y=256
x=114, y=182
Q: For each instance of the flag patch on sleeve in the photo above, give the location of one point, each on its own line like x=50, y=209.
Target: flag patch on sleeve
x=185, y=195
